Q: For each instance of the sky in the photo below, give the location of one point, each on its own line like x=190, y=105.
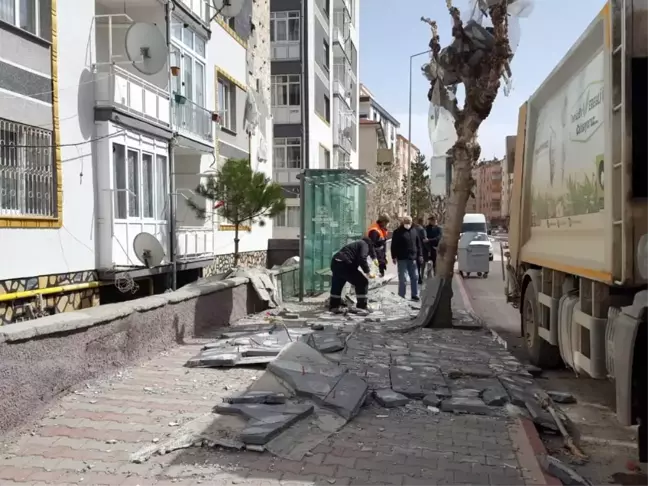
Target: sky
x=390, y=33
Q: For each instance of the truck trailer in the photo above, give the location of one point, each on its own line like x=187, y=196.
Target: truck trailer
x=577, y=259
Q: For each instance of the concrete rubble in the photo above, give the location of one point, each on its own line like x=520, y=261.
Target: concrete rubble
x=322, y=368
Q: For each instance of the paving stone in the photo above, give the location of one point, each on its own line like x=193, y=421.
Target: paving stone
x=541, y=417
x=561, y=397
x=415, y=382
x=561, y=471
x=324, y=342
x=388, y=398
x=431, y=400
x=495, y=397
x=465, y=405
x=266, y=397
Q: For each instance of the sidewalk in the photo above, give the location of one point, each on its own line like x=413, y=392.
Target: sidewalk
x=88, y=436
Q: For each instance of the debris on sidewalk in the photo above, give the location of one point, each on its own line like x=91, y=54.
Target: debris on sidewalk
x=561, y=397
x=561, y=471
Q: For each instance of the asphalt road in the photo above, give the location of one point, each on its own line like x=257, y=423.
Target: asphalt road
x=609, y=445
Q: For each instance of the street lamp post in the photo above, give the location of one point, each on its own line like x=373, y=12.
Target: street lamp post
x=409, y=135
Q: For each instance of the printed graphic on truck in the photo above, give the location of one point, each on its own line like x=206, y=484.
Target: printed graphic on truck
x=567, y=160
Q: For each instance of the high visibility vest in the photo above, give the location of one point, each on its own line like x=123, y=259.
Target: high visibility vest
x=376, y=227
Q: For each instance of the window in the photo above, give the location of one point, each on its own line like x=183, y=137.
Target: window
x=289, y=218
x=284, y=26
x=326, y=54
x=27, y=175
x=287, y=153
x=33, y=16
x=140, y=181
x=286, y=90
x=188, y=53
x=327, y=108
x=226, y=104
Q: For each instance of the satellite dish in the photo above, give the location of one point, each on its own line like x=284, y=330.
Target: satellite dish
x=146, y=48
x=148, y=249
x=227, y=8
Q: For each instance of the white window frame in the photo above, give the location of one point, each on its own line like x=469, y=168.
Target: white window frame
x=285, y=17
x=158, y=187
x=282, y=145
x=27, y=167
x=16, y=5
x=282, y=219
x=227, y=104
x=285, y=81
x=183, y=48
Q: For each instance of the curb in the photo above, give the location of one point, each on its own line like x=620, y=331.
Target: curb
x=523, y=432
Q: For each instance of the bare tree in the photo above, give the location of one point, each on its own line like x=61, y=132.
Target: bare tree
x=477, y=59
x=383, y=196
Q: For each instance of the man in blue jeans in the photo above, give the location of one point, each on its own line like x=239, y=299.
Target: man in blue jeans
x=407, y=251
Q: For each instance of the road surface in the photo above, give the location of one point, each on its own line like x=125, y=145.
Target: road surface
x=608, y=444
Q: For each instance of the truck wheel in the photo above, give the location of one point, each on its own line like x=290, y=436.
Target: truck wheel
x=486, y=275
x=541, y=353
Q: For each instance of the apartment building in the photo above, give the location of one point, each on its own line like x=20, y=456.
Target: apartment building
x=97, y=147
x=370, y=109
x=406, y=155
x=488, y=189
x=314, y=51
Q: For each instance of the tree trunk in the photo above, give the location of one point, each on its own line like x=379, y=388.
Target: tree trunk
x=436, y=310
x=236, y=244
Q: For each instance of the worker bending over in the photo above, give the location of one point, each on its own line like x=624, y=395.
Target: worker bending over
x=344, y=268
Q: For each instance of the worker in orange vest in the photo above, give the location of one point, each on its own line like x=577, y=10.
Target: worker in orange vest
x=378, y=233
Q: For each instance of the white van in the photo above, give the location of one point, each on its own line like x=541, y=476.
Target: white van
x=476, y=222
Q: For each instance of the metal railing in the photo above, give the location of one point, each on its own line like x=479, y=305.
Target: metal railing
x=117, y=86
x=27, y=173
x=194, y=118
x=194, y=242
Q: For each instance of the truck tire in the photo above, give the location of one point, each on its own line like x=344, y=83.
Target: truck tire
x=541, y=353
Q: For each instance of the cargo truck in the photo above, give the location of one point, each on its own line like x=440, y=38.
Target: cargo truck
x=576, y=265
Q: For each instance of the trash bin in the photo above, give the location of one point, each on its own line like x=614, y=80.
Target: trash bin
x=473, y=254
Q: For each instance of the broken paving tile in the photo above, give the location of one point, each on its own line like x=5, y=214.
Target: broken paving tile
x=324, y=342
x=495, y=397
x=268, y=398
x=561, y=397
x=561, y=471
x=415, y=382
x=541, y=417
x=431, y=400
x=466, y=405
x=388, y=398
x=466, y=393
x=213, y=359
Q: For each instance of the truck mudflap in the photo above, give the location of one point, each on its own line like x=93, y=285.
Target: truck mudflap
x=621, y=342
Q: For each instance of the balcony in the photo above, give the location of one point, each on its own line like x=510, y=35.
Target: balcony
x=342, y=138
x=286, y=114
x=117, y=88
x=194, y=243
x=191, y=119
x=342, y=82
x=341, y=31
x=286, y=176
x=285, y=50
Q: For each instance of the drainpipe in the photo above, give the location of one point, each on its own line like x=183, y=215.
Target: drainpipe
x=304, y=147
x=171, y=160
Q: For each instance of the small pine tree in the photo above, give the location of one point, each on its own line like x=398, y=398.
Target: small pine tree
x=420, y=182
x=240, y=195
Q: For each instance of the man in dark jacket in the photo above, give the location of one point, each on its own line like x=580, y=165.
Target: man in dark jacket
x=420, y=265
x=344, y=268
x=378, y=233
x=407, y=251
x=434, y=234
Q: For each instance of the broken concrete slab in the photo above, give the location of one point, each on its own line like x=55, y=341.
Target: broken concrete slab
x=264, y=397
x=561, y=471
x=469, y=405
x=265, y=421
x=388, y=398
x=495, y=397
x=561, y=397
x=541, y=417
x=347, y=396
x=324, y=342
x=415, y=382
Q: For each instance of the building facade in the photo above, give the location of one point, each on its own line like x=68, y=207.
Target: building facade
x=111, y=116
x=406, y=155
x=314, y=94
x=488, y=189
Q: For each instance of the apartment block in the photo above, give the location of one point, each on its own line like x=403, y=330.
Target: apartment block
x=112, y=114
x=314, y=54
x=488, y=189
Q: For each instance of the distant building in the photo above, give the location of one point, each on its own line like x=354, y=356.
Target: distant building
x=488, y=189
x=507, y=177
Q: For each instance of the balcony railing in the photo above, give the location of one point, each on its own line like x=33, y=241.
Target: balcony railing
x=116, y=87
x=194, y=242
x=342, y=138
x=193, y=118
x=286, y=114
x=285, y=50
x=341, y=82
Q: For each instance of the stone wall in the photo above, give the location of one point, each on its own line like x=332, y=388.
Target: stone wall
x=224, y=263
x=27, y=308
x=45, y=357
x=259, y=68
